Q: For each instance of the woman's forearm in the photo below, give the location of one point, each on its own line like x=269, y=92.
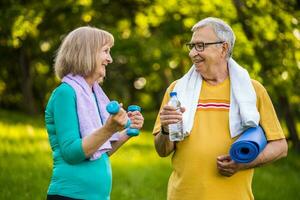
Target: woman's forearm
x=117, y=144
x=92, y=142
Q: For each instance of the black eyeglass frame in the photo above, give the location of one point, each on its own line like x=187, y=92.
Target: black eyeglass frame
x=190, y=46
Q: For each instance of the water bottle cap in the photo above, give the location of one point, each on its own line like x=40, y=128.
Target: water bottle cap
x=173, y=94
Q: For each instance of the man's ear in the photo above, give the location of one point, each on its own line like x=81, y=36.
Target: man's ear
x=225, y=49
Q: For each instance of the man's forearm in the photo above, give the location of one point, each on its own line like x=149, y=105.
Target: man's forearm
x=273, y=151
x=163, y=145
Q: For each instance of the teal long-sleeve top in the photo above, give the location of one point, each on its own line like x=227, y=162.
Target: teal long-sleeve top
x=73, y=174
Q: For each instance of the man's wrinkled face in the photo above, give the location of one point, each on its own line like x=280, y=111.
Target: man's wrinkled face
x=210, y=54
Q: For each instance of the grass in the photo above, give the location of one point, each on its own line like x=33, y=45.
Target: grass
x=138, y=173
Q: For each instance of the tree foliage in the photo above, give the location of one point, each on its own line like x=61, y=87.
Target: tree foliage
x=149, y=50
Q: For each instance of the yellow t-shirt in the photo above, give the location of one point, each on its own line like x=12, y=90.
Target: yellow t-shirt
x=195, y=175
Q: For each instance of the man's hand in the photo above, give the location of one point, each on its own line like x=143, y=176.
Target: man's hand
x=169, y=115
x=274, y=150
x=227, y=166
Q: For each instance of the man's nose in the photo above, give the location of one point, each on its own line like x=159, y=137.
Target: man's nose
x=193, y=52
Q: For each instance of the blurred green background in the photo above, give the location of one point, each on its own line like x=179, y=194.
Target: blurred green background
x=149, y=54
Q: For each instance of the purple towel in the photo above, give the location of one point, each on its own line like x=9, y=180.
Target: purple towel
x=87, y=110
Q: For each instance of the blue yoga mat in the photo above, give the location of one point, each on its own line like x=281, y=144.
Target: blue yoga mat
x=247, y=147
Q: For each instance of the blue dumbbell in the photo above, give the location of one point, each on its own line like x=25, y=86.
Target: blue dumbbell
x=113, y=108
x=133, y=131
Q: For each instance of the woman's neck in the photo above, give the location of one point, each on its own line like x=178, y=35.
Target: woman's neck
x=89, y=81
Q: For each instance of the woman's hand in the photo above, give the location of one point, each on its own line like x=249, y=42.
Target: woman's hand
x=116, y=122
x=137, y=119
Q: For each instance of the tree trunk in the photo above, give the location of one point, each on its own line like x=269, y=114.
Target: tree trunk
x=26, y=83
x=239, y=6
x=290, y=121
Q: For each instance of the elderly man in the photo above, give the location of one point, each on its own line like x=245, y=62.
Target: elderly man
x=219, y=101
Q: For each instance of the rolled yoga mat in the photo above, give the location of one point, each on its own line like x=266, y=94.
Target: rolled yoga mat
x=247, y=147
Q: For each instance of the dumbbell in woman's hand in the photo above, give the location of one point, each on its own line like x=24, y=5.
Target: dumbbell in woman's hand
x=113, y=108
x=133, y=131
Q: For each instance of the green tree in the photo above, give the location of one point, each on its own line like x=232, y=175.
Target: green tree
x=274, y=32
x=149, y=51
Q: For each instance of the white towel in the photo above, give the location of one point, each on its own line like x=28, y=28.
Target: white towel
x=243, y=112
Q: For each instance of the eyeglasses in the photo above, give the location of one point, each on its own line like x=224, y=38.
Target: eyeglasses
x=199, y=46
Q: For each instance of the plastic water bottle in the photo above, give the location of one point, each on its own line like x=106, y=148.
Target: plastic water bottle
x=175, y=130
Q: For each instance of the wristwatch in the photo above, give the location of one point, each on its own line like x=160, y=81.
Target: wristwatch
x=163, y=131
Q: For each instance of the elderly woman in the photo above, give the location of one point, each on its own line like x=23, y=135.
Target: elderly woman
x=82, y=134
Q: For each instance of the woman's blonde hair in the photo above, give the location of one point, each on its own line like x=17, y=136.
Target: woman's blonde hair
x=78, y=52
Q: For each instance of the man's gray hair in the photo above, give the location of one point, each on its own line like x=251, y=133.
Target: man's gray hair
x=223, y=31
